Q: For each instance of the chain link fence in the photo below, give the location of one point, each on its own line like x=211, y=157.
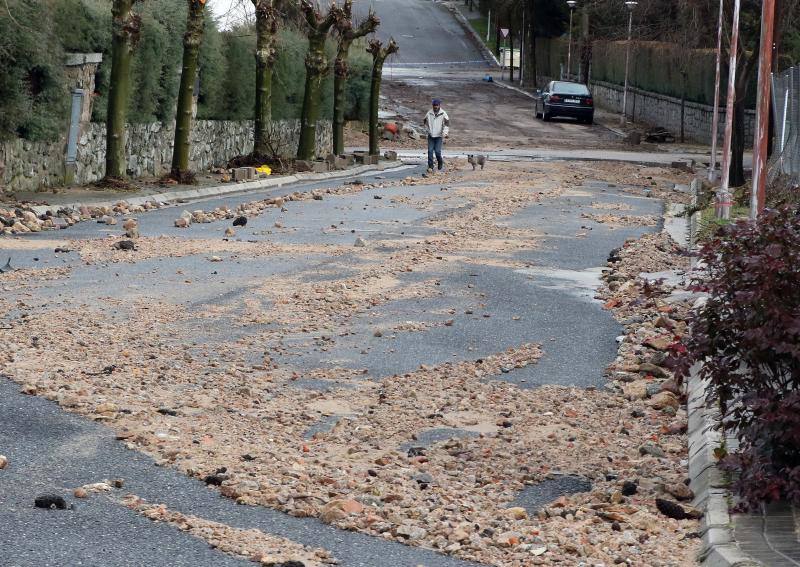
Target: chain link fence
x=784, y=165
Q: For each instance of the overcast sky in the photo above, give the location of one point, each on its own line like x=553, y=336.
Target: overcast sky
x=230, y=12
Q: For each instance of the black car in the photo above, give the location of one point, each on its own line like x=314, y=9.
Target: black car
x=564, y=98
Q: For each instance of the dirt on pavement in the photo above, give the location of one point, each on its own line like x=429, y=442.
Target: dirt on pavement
x=483, y=116
x=205, y=407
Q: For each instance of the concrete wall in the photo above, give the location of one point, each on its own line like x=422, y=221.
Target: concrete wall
x=659, y=110
x=29, y=166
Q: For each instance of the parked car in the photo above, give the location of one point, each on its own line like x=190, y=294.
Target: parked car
x=565, y=98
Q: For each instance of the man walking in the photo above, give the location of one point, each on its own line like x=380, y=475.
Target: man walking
x=437, y=123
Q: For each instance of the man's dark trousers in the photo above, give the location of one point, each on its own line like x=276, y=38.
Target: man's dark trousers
x=435, y=146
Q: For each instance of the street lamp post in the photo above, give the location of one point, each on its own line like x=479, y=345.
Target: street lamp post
x=630, y=4
x=571, y=4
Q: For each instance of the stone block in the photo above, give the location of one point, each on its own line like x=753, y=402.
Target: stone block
x=391, y=155
x=337, y=162
x=364, y=158
x=243, y=173
x=317, y=166
x=301, y=165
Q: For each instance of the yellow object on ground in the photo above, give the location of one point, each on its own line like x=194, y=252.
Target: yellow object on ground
x=265, y=169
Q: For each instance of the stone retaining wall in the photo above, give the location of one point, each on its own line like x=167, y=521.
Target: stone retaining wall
x=30, y=166
x=659, y=110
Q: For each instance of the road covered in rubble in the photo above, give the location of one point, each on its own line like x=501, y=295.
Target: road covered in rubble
x=394, y=370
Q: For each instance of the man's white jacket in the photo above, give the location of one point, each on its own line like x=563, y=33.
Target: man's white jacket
x=437, y=124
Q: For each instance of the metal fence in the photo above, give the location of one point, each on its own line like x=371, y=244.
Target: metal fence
x=785, y=160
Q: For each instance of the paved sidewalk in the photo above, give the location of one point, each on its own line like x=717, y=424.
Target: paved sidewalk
x=564, y=154
x=772, y=537
x=74, y=200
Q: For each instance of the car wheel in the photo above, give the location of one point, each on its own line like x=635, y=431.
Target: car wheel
x=546, y=116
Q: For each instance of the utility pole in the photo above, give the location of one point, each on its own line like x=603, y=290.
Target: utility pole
x=522, y=47
x=724, y=196
x=760, y=146
x=712, y=169
x=630, y=5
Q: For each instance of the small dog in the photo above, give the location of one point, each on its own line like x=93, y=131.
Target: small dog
x=476, y=161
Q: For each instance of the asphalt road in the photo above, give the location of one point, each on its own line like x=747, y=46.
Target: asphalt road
x=428, y=35
x=52, y=451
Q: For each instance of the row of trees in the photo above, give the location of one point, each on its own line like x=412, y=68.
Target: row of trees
x=318, y=25
x=154, y=49
x=688, y=24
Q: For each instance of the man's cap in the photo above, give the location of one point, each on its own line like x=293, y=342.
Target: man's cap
x=437, y=102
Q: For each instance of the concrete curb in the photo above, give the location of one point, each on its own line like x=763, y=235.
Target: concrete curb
x=226, y=189
x=461, y=19
x=619, y=156
x=515, y=89
x=706, y=480
x=709, y=485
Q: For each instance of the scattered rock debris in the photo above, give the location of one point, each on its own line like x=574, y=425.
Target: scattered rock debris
x=235, y=404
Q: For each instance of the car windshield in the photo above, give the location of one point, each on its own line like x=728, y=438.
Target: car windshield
x=570, y=89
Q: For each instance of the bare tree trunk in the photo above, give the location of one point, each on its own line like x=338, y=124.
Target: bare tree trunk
x=183, y=117
x=511, y=59
x=340, y=70
x=684, y=75
x=743, y=78
x=531, y=72
x=126, y=27
x=738, y=144
x=317, y=29
x=266, y=28
x=379, y=55
x=341, y=67
x=586, y=46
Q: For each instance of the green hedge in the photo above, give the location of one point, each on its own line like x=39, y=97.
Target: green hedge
x=30, y=73
x=658, y=67
x=37, y=34
x=654, y=66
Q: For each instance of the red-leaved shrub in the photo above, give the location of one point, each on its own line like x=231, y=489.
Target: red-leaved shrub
x=747, y=340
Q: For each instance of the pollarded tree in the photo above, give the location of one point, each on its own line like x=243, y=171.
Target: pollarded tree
x=126, y=29
x=266, y=30
x=317, y=66
x=341, y=68
x=379, y=55
x=192, y=40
